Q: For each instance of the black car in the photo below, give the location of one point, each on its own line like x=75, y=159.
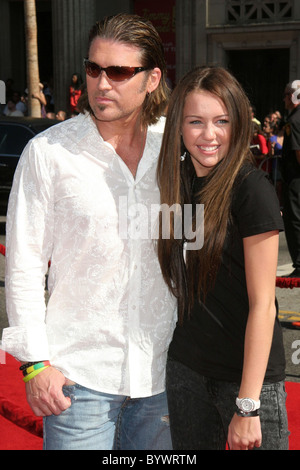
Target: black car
x=15, y=132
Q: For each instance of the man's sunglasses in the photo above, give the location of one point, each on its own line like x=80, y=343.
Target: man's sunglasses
x=114, y=72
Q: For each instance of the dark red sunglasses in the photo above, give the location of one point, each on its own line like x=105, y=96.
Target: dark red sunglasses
x=114, y=72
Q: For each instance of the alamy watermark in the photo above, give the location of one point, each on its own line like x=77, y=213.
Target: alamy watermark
x=138, y=221
x=296, y=354
x=2, y=92
x=296, y=93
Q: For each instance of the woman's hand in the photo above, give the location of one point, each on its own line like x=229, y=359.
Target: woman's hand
x=244, y=433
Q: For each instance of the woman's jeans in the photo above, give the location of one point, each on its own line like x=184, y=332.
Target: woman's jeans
x=99, y=421
x=201, y=410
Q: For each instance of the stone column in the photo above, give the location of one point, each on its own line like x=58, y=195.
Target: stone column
x=5, y=46
x=190, y=35
x=72, y=20
x=295, y=58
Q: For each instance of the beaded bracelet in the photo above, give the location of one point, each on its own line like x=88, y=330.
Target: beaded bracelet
x=29, y=364
x=35, y=366
x=34, y=373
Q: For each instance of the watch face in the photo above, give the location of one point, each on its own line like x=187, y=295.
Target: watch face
x=247, y=405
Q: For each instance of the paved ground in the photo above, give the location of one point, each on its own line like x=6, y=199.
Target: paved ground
x=289, y=299
x=289, y=312
x=289, y=306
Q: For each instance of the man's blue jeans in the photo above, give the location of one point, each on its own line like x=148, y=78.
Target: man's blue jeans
x=201, y=410
x=99, y=421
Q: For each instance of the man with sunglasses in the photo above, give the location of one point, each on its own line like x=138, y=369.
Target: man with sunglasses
x=82, y=198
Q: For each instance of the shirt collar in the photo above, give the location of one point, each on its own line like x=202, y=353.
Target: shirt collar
x=87, y=128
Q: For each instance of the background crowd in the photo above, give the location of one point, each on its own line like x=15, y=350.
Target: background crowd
x=16, y=102
x=266, y=145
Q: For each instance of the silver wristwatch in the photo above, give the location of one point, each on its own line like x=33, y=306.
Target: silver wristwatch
x=247, y=405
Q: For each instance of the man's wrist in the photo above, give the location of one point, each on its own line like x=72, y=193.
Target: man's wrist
x=31, y=369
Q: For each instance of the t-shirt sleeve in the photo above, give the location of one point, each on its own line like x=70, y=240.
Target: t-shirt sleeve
x=255, y=206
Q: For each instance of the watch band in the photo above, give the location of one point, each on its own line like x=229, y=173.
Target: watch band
x=247, y=415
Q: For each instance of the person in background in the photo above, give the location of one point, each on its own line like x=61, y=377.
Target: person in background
x=276, y=117
x=11, y=110
x=17, y=104
x=259, y=147
x=274, y=134
x=61, y=115
x=291, y=175
x=75, y=92
x=50, y=115
x=40, y=96
x=253, y=116
x=94, y=358
x=226, y=361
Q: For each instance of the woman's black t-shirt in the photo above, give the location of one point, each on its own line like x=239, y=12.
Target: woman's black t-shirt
x=211, y=342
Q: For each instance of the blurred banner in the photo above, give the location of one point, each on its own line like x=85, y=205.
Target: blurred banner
x=162, y=16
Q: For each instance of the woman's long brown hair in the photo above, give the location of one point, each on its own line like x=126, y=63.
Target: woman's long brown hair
x=194, y=277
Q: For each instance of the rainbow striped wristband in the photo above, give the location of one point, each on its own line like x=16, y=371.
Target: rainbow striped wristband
x=34, y=373
x=36, y=366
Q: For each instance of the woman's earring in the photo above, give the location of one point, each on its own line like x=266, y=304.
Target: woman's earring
x=183, y=157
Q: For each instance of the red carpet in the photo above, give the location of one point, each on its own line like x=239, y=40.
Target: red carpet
x=21, y=430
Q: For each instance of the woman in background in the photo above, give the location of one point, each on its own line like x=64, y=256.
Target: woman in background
x=75, y=91
x=226, y=366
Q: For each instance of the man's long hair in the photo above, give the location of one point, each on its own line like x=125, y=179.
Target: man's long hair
x=133, y=30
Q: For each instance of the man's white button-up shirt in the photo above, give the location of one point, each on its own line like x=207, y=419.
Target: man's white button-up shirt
x=109, y=319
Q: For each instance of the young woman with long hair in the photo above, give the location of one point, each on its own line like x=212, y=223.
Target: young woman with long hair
x=226, y=364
